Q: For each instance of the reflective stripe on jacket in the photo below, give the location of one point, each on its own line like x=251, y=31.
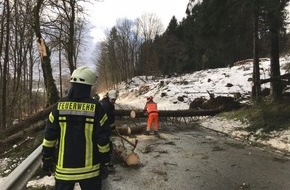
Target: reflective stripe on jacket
x=110, y=109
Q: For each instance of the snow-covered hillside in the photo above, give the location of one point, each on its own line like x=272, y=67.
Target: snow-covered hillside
x=223, y=81
x=166, y=90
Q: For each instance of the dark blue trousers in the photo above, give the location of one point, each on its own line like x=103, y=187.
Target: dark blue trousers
x=86, y=184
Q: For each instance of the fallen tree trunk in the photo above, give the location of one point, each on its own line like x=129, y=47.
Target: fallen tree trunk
x=22, y=134
x=26, y=125
x=177, y=113
x=128, y=130
x=276, y=78
x=121, y=113
x=43, y=115
x=23, y=125
x=10, y=149
x=128, y=156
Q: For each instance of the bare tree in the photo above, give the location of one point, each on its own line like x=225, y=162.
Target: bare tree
x=149, y=26
x=256, y=89
x=119, y=53
x=16, y=62
x=128, y=45
x=70, y=21
x=2, y=20
x=5, y=65
x=102, y=66
x=52, y=94
x=275, y=27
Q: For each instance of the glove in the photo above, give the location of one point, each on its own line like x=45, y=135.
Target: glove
x=113, y=126
x=47, y=166
x=104, y=172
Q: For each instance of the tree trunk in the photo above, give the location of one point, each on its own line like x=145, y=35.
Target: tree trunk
x=51, y=90
x=60, y=62
x=30, y=78
x=277, y=78
x=128, y=130
x=177, y=113
x=23, y=134
x=276, y=87
x=122, y=113
x=256, y=88
x=71, y=45
x=42, y=115
x=274, y=27
x=5, y=68
x=128, y=156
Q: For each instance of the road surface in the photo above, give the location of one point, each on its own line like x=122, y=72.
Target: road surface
x=192, y=158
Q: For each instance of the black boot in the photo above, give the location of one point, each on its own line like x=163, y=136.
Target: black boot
x=156, y=133
x=147, y=133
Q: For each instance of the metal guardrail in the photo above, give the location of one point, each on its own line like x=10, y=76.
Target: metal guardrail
x=20, y=176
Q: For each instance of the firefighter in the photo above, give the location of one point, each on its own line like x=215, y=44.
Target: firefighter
x=77, y=132
x=108, y=102
x=96, y=97
x=152, y=112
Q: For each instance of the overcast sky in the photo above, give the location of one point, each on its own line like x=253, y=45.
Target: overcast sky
x=104, y=13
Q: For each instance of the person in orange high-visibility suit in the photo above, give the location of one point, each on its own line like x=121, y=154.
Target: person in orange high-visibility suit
x=152, y=111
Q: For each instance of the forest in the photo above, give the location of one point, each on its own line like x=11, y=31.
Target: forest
x=36, y=35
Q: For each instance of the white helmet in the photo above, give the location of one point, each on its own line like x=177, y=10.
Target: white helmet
x=113, y=94
x=83, y=75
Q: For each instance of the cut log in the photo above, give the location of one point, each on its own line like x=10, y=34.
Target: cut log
x=177, y=113
x=130, y=157
x=126, y=130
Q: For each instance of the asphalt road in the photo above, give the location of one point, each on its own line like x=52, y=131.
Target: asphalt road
x=191, y=158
